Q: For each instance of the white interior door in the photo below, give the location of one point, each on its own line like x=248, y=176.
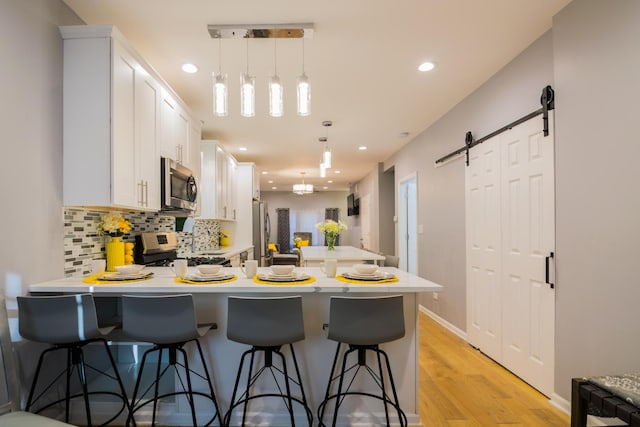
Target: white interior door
x=528, y=230
x=408, y=225
x=484, y=295
x=510, y=206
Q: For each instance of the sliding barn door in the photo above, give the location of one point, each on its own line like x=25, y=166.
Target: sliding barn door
x=484, y=293
x=510, y=234
x=528, y=230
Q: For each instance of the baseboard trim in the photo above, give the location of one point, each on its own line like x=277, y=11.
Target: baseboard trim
x=449, y=326
x=561, y=403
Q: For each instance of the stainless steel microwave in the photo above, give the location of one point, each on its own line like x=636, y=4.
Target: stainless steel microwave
x=178, y=185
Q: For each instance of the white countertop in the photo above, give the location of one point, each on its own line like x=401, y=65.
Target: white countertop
x=341, y=253
x=224, y=252
x=163, y=281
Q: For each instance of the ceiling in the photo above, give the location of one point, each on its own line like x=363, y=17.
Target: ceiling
x=361, y=62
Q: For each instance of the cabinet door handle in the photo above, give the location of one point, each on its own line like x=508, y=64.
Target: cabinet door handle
x=146, y=194
x=140, y=196
x=547, y=269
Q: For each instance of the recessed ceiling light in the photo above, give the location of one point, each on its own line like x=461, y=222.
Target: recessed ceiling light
x=270, y=181
x=362, y=148
x=242, y=148
x=324, y=188
x=337, y=172
x=189, y=68
x=426, y=66
x=330, y=182
x=264, y=172
x=274, y=188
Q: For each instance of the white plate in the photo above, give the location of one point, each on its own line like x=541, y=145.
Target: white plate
x=208, y=278
x=217, y=275
x=282, y=278
x=118, y=276
x=380, y=275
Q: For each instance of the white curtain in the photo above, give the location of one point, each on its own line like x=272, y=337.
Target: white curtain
x=306, y=220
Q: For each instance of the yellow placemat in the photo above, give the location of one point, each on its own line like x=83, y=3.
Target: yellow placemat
x=213, y=282
x=311, y=279
x=341, y=278
x=93, y=280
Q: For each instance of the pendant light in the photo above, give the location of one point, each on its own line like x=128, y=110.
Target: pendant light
x=302, y=189
x=304, y=91
x=275, y=87
x=326, y=153
x=323, y=170
x=247, y=92
x=220, y=88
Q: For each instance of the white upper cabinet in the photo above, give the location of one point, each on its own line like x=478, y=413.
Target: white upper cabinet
x=175, y=141
x=218, y=184
x=114, y=122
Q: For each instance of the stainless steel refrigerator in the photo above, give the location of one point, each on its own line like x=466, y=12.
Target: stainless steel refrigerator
x=261, y=231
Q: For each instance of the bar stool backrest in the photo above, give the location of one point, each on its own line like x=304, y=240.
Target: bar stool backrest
x=58, y=319
x=159, y=319
x=366, y=321
x=265, y=322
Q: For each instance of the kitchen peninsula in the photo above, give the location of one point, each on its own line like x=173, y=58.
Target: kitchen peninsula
x=315, y=352
x=346, y=255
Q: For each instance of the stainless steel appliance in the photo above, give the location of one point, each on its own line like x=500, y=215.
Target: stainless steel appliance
x=179, y=187
x=161, y=248
x=261, y=231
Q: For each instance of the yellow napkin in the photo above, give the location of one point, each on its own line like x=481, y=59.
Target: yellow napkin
x=93, y=280
x=213, y=282
x=311, y=279
x=366, y=282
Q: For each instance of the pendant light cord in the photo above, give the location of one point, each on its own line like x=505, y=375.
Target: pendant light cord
x=220, y=56
x=275, y=57
x=247, y=56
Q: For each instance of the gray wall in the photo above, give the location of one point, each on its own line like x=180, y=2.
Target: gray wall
x=511, y=93
x=316, y=201
x=591, y=59
x=597, y=77
x=31, y=123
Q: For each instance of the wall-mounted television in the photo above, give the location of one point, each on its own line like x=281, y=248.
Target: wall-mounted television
x=353, y=205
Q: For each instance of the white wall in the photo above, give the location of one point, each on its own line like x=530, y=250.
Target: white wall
x=509, y=94
x=316, y=201
x=597, y=75
x=31, y=123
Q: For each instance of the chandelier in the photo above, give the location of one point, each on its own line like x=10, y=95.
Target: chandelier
x=247, y=91
x=302, y=189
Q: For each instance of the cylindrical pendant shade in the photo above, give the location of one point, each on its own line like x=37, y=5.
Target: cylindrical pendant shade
x=220, y=95
x=247, y=96
x=275, y=97
x=304, y=95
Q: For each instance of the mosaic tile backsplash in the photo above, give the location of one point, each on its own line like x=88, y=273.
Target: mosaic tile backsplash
x=82, y=243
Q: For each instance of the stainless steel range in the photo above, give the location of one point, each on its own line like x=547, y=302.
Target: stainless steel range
x=159, y=249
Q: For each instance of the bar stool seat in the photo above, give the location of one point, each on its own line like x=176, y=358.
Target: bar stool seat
x=267, y=324
x=363, y=324
x=168, y=322
x=67, y=322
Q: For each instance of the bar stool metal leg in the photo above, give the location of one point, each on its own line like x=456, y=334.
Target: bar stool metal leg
x=67, y=323
x=267, y=324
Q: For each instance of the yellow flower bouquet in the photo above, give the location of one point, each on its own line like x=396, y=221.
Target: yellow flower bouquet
x=114, y=225
x=331, y=230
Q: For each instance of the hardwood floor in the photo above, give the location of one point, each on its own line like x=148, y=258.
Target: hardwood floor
x=459, y=386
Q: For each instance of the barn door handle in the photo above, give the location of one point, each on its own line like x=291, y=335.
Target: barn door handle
x=546, y=269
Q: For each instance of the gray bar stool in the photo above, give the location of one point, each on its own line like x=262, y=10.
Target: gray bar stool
x=68, y=323
x=168, y=322
x=363, y=324
x=267, y=324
